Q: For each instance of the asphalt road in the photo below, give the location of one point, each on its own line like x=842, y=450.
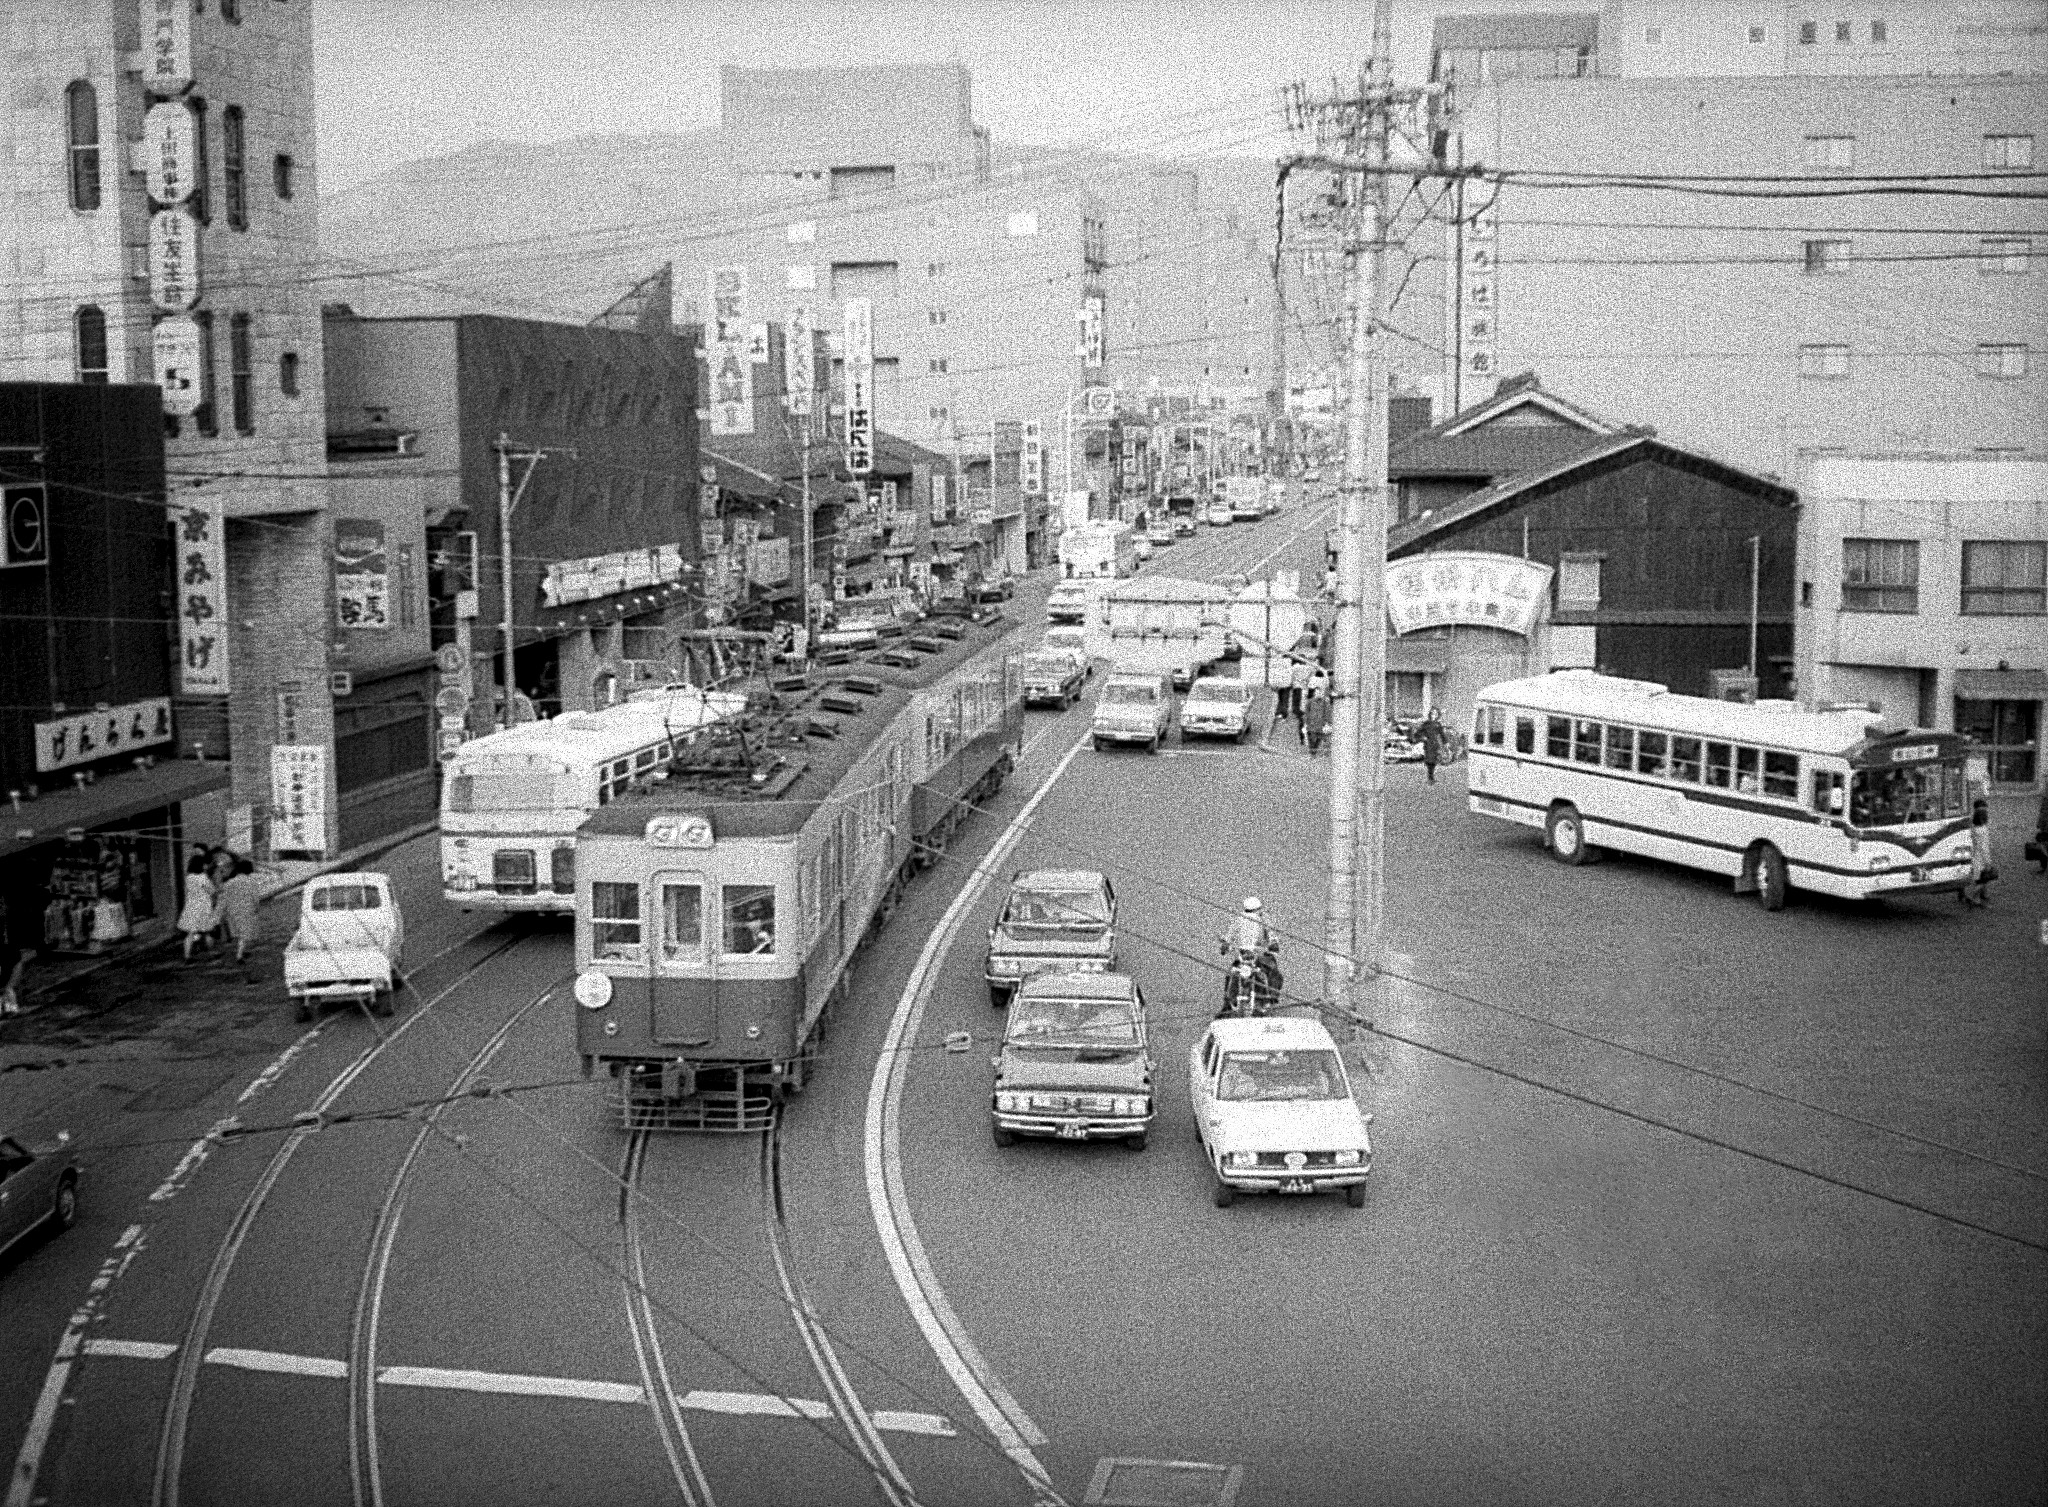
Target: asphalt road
x=1673, y=1201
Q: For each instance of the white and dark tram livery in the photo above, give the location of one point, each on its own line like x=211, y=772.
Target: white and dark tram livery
x=719, y=905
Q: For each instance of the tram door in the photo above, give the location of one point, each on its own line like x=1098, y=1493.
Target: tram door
x=683, y=971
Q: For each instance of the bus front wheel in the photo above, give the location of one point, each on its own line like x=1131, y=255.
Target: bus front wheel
x=1565, y=832
x=1771, y=882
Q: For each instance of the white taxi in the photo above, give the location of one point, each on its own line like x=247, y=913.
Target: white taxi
x=1215, y=707
x=1274, y=1109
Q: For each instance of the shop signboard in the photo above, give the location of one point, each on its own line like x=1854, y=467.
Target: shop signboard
x=1094, y=342
x=768, y=562
x=101, y=733
x=859, y=341
x=362, y=574
x=1099, y=402
x=173, y=260
x=1031, y=459
x=177, y=352
x=166, y=46
x=298, y=798
x=1477, y=590
x=732, y=387
x=170, y=147
x=757, y=344
x=727, y=305
x=799, y=371
x=569, y=581
x=1479, y=314
x=24, y=525
x=199, y=537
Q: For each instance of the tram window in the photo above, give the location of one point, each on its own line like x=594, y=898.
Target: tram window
x=1685, y=759
x=1525, y=735
x=1650, y=753
x=682, y=922
x=614, y=919
x=1745, y=771
x=1720, y=765
x=1781, y=775
x=1586, y=742
x=1827, y=791
x=621, y=769
x=644, y=759
x=749, y=919
x=1621, y=747
x=1558, y=744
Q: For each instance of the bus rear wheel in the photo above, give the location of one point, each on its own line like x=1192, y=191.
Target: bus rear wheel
x=1565, y=833
x=1771, y=881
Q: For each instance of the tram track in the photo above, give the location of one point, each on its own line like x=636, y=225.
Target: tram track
x=655, y=1380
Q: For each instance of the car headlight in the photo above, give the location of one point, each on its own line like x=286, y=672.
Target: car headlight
x=1347, y=1158
x=1091, y=965
x=1011, y=1104
x=1241, y=1159
x=1003, y=965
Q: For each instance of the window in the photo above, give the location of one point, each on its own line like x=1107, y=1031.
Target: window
x=1756, y=35
x=205, y=417
x=1685, y=759
x=848, y=182
x=937, y=365
x=1781, y=775
x=2008, y=151
x=288, y=373
x=1621, y=747
x=241, y=374
x=1558, y=743
x=90, y=325
x=2005, y=577
x=202, y=166
x=934, y=316
x=749, y=919
x=1491, y=727
x=231, y=11
x=1824, y=361
x=1746, y=765
x=1720, y=765
x=562, y=861
x=2001, y=363
x=2002, y=255
x=1827, y=256
x=281, y=174
x=1880, y=575
x=1525, y=735
x=2008, y=732
x=1653, y=36
x=512, y=871
x=1879, y=35
x=1842, y=31
x=234, y=167
x=1650, y=749
x=614, y=920
x=1578, y=583
x=1828, y=785
x=1809, y=33
x=1833, y=154
x=1586, y=742
x=682, y=923
x=82, y=125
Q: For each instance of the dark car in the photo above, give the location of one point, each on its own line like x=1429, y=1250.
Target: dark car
x=1074, y=1064
x=38, y=1187
x=999, y=590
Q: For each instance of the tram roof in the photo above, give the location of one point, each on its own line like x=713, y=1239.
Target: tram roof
x=786, y=802
x=1611, y=698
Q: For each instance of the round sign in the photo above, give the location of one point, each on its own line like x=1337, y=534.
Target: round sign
x=451, y=701
x=593, y=990
x=449, y=659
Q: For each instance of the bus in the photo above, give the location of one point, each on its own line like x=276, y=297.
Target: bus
x=512, y=800
x=1773, y=795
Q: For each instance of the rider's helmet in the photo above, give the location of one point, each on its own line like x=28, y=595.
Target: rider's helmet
x=1251, y=905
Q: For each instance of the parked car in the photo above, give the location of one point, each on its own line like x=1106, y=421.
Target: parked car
x=1074, y=1063
x=38, y=1186
x=1216, y=708
x=1071, y=640
x=348, y=944
x=996, y=589
x=1053, y=678
x=1134, y=709
x=1274, y=1109
x=1057, y=920
x=1068, y=603
x=1161, y=533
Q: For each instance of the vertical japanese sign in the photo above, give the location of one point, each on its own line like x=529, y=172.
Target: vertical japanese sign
x=166, y=46
x=173, y=260
x=1031, y=460
x=362, y=574
x=1094, y=341
x=726, y=353
x=298, y=798
x=798, y=370
x=1479, y=297
x=859, y=334
x=170, y=137
x=202, y=602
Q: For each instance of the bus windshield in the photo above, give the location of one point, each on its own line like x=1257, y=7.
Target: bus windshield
x=1903, y=796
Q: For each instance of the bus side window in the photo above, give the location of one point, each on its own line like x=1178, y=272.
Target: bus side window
x=1650, y=753
x=1827, y=792
x=1781, y=775
x=1525, y=735
x=1745, y=771
x=1586, y=742
x=1720, y=765
x=1685, y=759
x=1559, y=743
x=1621, y=751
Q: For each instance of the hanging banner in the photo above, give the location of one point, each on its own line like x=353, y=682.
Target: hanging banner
x=757, y=344
x=799, y=371
x=362, y=574
x=173, y=260
x=166, y=46
x=202, y=602
x=1094, y=342
x=1483, y=590
x=860, y=386
x=1031, y=460
x=170, y=151
x=298, y=798
x=1478, y=289
x=94, y=735
x=726, y=306
x=732, y=388
x=768, y=562
x=176, y=351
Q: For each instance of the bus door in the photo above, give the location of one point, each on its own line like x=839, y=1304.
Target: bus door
x=682, y=963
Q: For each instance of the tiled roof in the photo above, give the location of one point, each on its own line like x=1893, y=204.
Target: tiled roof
x=1491, y=453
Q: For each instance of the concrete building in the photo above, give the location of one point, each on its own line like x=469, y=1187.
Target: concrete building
x=1923, y=590
x=160, y=217
x=1774, y=315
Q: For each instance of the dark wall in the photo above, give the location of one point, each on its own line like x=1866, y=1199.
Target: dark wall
x=94, y=625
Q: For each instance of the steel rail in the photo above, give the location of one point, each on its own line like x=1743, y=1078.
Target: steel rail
x=655, y=1381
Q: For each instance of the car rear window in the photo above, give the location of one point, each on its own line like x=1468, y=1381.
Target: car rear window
x=347, y=897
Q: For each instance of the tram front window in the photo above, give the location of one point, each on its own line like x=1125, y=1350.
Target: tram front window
x=1899, y=797
x=614, y=920
x=682, y=923
x=749, y=919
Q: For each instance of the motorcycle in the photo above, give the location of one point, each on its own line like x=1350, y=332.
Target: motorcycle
x=1251, y=983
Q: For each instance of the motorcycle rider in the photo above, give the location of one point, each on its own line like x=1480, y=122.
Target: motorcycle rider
x=1251, y=977
x=1248, y=935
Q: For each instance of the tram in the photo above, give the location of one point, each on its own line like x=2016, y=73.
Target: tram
x=721, y=898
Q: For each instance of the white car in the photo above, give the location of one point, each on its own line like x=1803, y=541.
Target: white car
x=1274, y=1109
x=1216, y=708
x=1141, y=546
x=1071, y=640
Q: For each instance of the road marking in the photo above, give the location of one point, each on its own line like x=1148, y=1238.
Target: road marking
x=507, y=1384
x=757, y=1403
x=278, y=1064
x=976, y=1381
x=194, y=1158
x=131, y=1349
x=276, y=1361
x=1163, y=1483
x=915, y=1423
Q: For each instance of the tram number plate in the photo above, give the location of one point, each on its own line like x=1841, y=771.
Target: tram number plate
x=1297, y=1185
x=1071, y=1132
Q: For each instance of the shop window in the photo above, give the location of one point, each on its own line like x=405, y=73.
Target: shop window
x=749, y=920
x=82, y=126
x=2009, y=732
x=89, y=325
x=2005, y=578
x=1880, y=575
x=614, y=920
x=281, y=169
x=241, y=374
x=234, y=167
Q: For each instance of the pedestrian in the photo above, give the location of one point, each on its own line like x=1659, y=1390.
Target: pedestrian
x=239, y=899
x=197, y=917
x=1298, y=672
x=1316, y=720
x=1433, y=739
x=1982, y=869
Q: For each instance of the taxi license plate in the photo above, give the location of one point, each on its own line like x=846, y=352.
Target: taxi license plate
x=1297, y=1185
x=1071, y=1132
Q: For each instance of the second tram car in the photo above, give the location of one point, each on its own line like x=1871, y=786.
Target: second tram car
x=719, y=904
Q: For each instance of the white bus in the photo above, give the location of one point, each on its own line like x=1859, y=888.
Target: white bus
x=512, y=800
x=1769, y=793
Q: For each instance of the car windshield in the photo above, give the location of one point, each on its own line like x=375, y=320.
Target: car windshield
x=1220, y=690
x=1130, y=695
x=1313, y=1074
x=1043, y=1021
x=1055, y=665
x=1067, y=908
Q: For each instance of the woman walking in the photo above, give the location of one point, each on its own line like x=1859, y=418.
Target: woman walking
x=199, y=914
x=1982, y=869
x=239, y=899
x=1433, y=739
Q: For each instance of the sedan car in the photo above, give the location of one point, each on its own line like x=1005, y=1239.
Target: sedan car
x=994, y=589
x=1074, y=1063
x=38, y=1186
x=1274, y=1109
x=1071, y=640
x=1134, y=708
x=1215, y=708
x=1053, y=678
x=1054, y=921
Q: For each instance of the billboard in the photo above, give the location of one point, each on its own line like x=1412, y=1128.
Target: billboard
x=799, y=372
x=362, y=574
x=200, y=540
x=859, y=337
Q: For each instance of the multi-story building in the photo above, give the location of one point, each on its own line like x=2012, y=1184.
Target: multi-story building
x=161, y=219
x=1760, y=229
x=1923, y=591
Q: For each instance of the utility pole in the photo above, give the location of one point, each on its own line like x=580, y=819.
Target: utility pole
x=1279, y=438
x=1353, y=136
x=508, y=499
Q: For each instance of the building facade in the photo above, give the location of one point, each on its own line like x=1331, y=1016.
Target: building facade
x=1923, y=591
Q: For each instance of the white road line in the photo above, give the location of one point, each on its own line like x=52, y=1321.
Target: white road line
x=998, y=1411
x=915, y=1423
x=131, y=1349
x=757, y=1403
x=508, y=1384
x=276, y=1362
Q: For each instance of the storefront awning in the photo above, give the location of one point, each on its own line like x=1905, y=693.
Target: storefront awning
x=1408, y=656
x=2002, y=685
x=108, y=799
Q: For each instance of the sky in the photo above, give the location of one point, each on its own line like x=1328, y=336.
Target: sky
x=397, y=80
